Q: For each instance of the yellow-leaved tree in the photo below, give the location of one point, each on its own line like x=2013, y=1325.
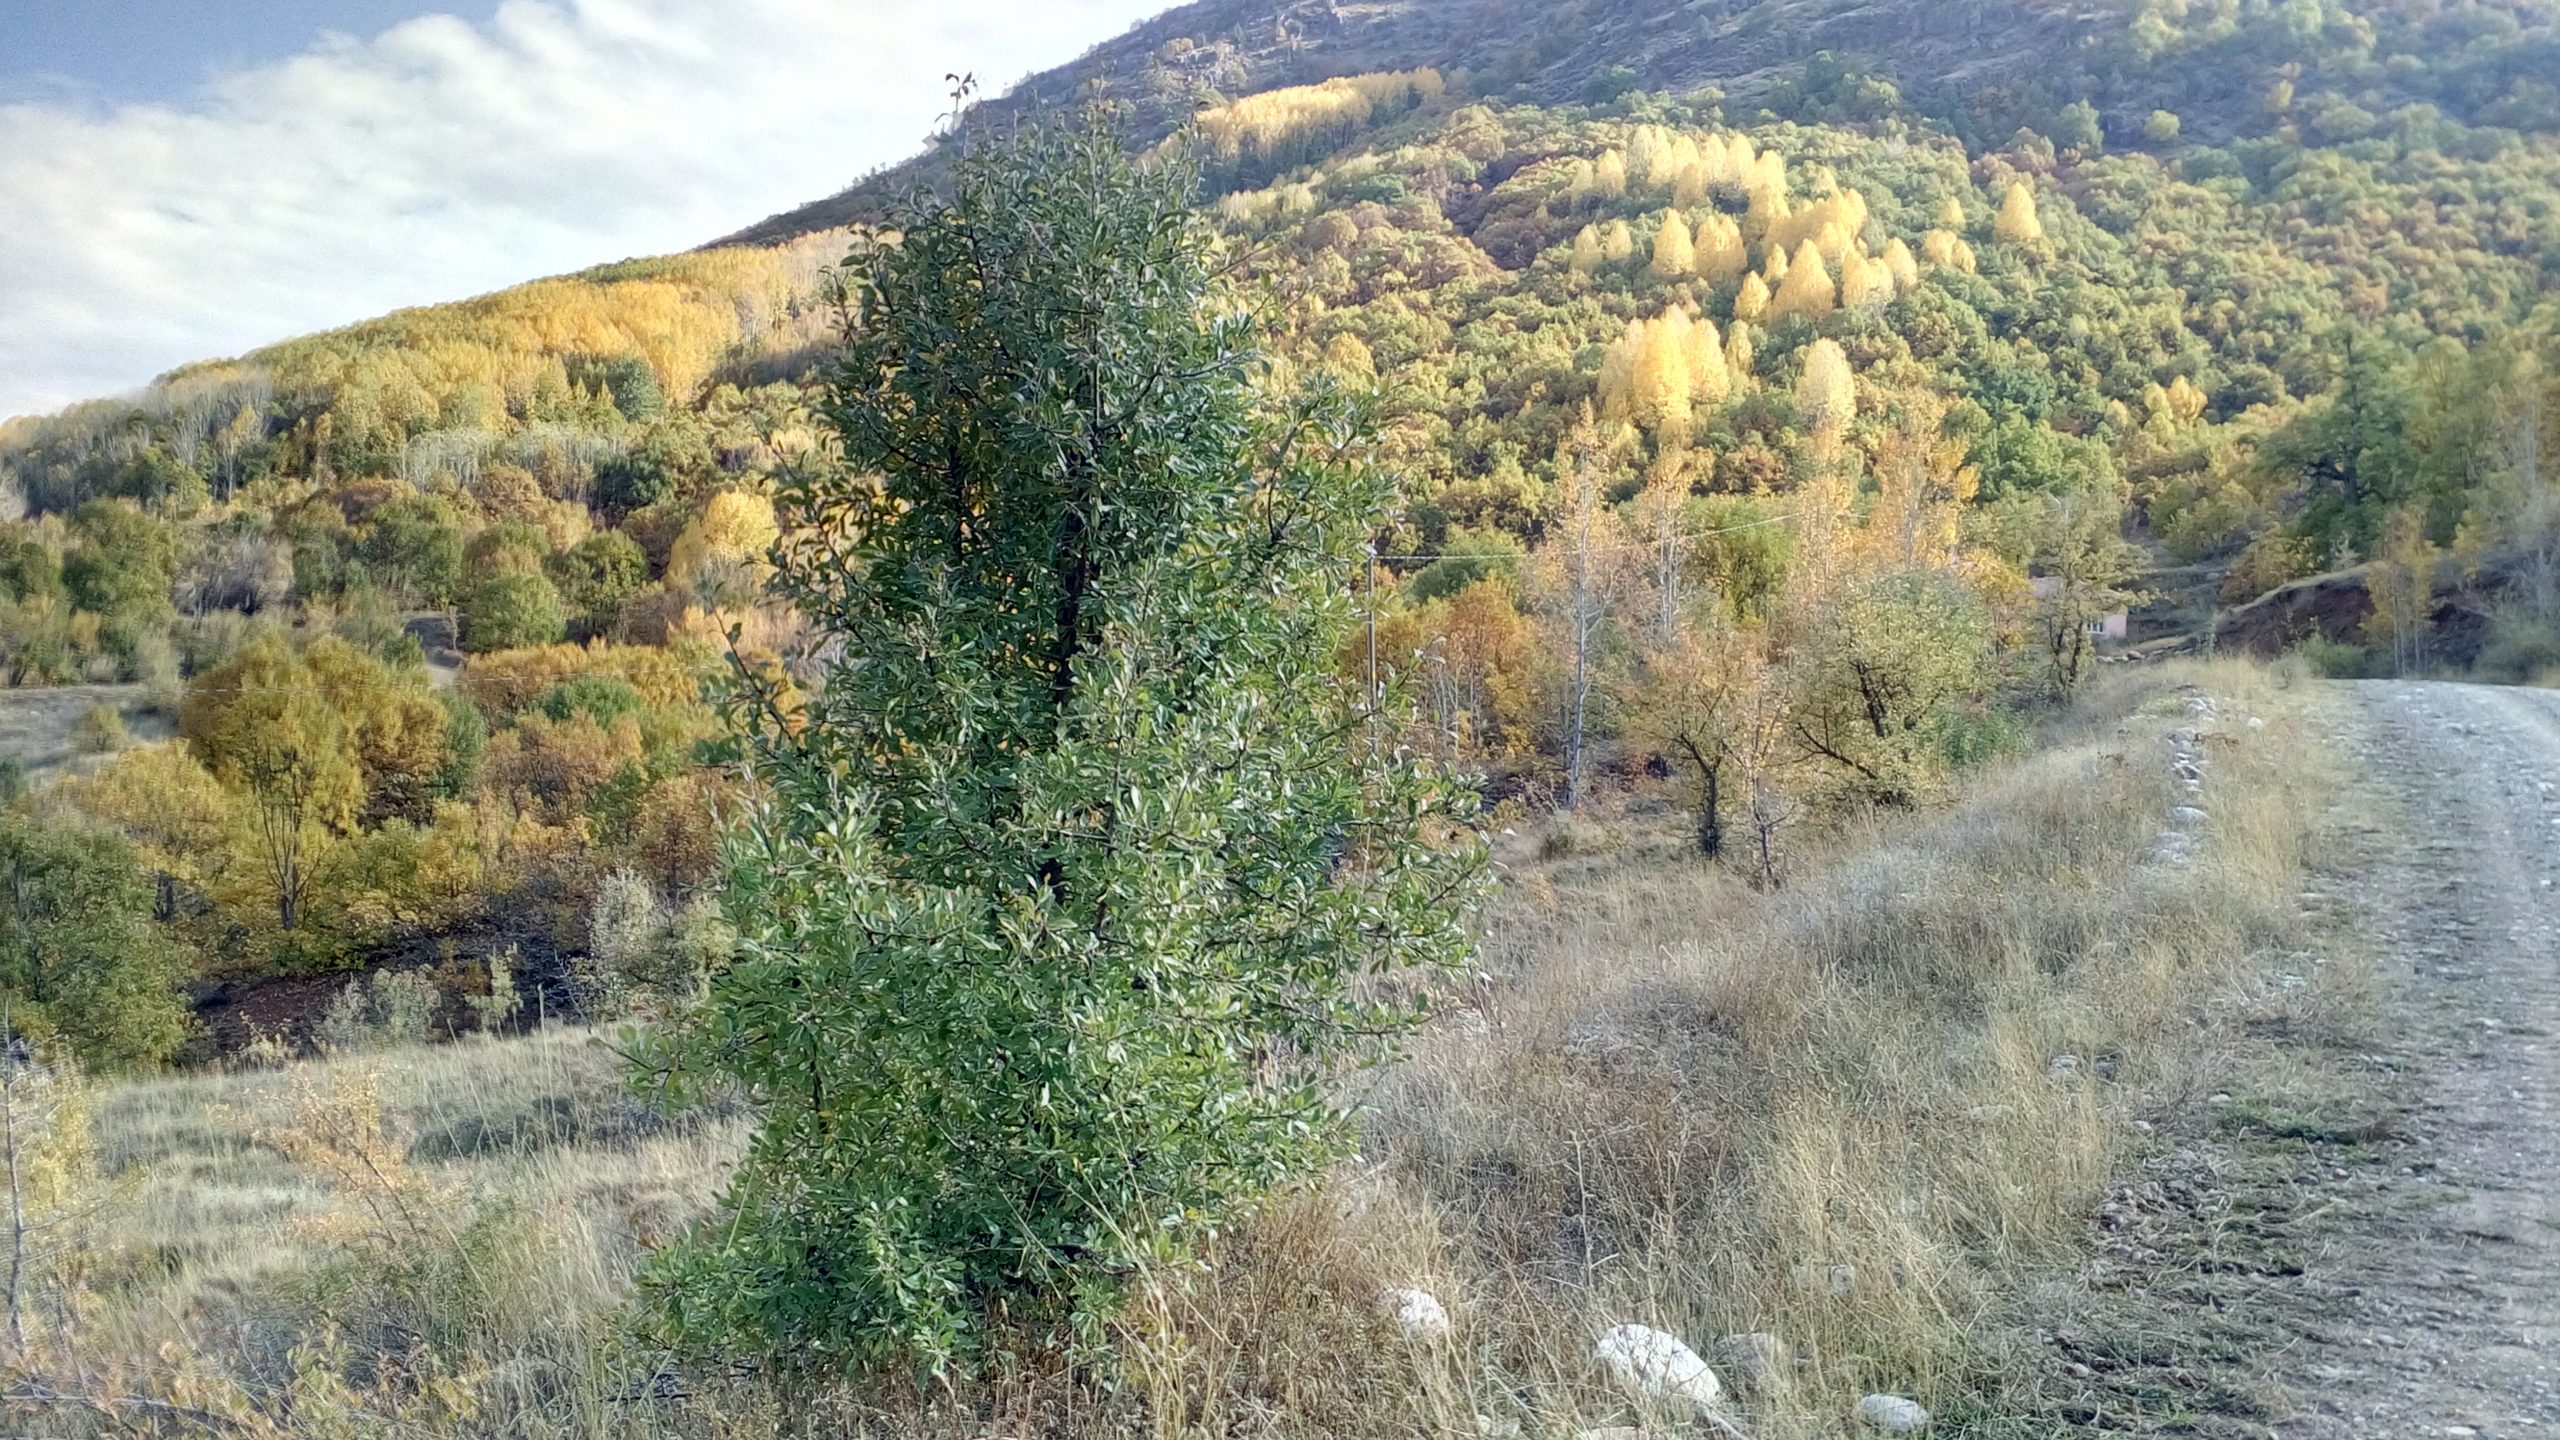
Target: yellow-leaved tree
x=1585, y=258
x=1751, y=302
x=1710, y=382
x=2018, y=223
x=1807, y=290
x=1898, y=263
x=732, y=534
x=1675, y=257
x=1864, y=284
x=1720, y=253
x=1826, y=392
x=1645, y=379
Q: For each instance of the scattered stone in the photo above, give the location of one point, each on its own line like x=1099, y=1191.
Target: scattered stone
x=1758, y=1362
x=2063, y=1067
x=1418, y=1314
x=1844, y=1278
x=1654, y=1367
x=1893, y=1415
x=2257, y=723
x=1615, y=1432
x=2187, y=815
x=1496, y=1427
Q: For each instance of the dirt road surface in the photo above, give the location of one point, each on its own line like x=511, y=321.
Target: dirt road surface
x=2439, y=1303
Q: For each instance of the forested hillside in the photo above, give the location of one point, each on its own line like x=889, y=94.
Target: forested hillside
x=1326, y=751
x=1780, y=393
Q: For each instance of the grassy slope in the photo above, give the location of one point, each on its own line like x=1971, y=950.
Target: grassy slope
x=1833, y=1113
x=38, y=727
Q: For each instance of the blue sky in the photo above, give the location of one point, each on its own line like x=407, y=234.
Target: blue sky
x=119, y=51
x=189, y=179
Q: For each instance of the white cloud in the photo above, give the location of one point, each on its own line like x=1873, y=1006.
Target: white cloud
x=445, y=158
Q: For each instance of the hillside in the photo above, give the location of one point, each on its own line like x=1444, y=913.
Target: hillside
x=1700, y=445
x=1787, y=308
x=1983, y=70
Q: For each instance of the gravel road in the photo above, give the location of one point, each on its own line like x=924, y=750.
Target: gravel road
x=2442, y=1302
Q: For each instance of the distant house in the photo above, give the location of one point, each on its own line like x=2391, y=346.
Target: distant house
x=2108, y=627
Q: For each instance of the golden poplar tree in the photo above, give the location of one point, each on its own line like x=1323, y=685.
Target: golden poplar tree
x=1946, y=248
x=1661, y=377
x=1951, y=214
x=1807, y=290
x=1617, y=242
x=1864, y=284
x=2185, y=400
x=1751, y=302
x=1720, y=255
x=1826, y=392
x=1609, y=175
x=1738, y=359
x=2018, y=223
x=1768, y=174
x=1899, y=263
x=1586, y=258
x=1768, y=211
x=1644, y=152
x=1709, y=381
x=1675, y=257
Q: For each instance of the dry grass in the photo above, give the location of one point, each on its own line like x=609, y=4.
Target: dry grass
x=1863, y=1114
x=1859, y=1114
x=39, y=727
x=543, y=1182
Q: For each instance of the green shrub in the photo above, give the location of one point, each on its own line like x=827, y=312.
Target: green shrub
x=404, y=1006
x=510, y=610
x=2333, y=659
x=100, y=730
x=80, y=955
x=2519, y=648
x=605, y=698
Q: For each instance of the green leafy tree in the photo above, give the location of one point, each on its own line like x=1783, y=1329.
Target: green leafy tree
x=598, y=575
x=1882, y=679
x=414, y=546
x=2086, y=573
x=79, y=955
x=512, y=609
x=1079, y=878
x=124, y=563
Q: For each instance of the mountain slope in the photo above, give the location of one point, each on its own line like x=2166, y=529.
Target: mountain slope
x=1984, y=68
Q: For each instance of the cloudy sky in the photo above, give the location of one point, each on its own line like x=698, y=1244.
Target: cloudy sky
x=186, y=179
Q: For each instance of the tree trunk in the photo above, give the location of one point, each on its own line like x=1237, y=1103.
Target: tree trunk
x=1711, y=812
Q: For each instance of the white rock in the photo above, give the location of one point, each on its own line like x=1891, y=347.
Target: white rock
x=1417, y=1313
x=1652, y=1366
x=1893, y=1415
x=2063, y=1065
x=1616, y=1432
x=2257, y=722
x=1758, y=1361
x=1497, y=1427
x=2187, y=815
